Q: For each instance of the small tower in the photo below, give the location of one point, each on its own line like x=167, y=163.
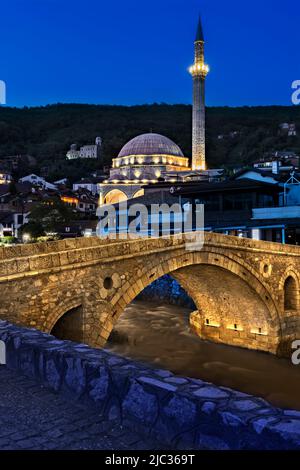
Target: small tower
x=199, y=71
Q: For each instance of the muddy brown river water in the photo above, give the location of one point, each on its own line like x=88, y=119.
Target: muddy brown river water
x=160, y=335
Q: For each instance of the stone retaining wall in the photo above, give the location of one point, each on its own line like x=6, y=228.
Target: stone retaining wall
x=183, y=413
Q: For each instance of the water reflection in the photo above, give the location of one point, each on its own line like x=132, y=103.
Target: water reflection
x=160, y=335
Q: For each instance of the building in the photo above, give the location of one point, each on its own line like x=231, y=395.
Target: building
x=87, y=151
x=87, y=202
x=5, y=177
x=199, y=71
x=6, y=225
x=287, y=129
x=152, y=158
x=91, y=184
x=77, y=228
x=146, y=158
x=14, y=208
x=38, y=181
x=81, y=200
x=245, y=208
x=277, y=162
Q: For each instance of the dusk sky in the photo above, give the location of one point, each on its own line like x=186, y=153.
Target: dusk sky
x=135, y=51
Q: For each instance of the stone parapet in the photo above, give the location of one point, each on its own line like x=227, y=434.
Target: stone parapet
x=182, y=413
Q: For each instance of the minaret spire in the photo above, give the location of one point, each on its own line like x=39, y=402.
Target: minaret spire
x=199, y=34
x=199, y=71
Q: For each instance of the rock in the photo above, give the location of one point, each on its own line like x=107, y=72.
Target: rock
x=140, y=404
x=211, y=392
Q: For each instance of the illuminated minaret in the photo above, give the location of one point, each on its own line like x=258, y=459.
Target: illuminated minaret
x=199, y=71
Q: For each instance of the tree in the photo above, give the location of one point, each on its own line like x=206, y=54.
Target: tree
x=48, y=215
x=32, y=229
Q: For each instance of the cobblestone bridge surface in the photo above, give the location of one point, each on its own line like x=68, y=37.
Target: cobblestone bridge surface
x=32, y=417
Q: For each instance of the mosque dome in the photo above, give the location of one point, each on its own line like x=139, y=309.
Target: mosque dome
x=150, y=144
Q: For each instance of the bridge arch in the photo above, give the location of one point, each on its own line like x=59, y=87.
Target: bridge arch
x=290, y=294
x=289, y=289
x=234, y=269
x=62, y=309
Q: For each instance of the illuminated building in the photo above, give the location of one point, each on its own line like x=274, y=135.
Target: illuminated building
x=5, y=178
x=199, y=71
x=87, y=151
x=143, y=160
x=152, y=158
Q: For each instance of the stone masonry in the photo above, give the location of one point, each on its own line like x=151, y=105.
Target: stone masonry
x=162, y=410
x=246, y=292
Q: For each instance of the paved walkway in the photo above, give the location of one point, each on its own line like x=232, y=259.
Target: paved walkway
x=32, y=417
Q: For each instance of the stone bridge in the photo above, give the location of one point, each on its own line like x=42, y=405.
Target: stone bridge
x=246, y=291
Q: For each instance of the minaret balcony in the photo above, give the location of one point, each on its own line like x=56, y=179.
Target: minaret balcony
x=199, y=70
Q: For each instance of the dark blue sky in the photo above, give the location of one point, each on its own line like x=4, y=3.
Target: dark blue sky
x=137, y=51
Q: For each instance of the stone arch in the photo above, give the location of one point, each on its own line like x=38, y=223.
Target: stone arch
x=290, y=294
x=230, y=263
x=115, y=196
x=63, y=308
x=70, y=326
x=289, y=289
x=233, y=264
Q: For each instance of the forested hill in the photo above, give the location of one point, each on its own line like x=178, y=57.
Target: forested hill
x=47, y=132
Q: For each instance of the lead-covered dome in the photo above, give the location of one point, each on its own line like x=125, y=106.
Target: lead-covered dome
x=151, y=144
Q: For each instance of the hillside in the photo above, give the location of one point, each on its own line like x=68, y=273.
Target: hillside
x=47, y=132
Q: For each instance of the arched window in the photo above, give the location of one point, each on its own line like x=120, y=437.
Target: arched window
x=139, y=193
x=115, y=196
x=290, y=294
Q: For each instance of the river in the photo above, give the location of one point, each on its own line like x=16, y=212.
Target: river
x=160, y=335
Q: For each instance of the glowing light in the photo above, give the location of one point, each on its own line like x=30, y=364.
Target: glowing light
x=258, y=331
x=158, y=173
x=137, y=173
x=26, y=237
x=212, y=324
x=198, y=69
x=235, y=327
x=69, y=200
x=88, y=232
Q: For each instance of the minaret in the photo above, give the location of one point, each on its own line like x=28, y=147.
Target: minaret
x=199, y=71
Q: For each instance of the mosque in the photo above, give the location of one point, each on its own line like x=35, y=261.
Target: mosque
x=152, y=158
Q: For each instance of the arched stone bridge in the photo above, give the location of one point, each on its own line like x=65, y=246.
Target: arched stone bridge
x=246, y=291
